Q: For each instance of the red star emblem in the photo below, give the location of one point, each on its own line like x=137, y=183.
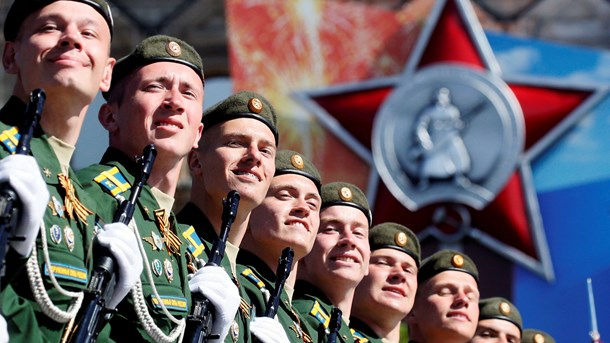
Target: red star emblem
x=511, y=223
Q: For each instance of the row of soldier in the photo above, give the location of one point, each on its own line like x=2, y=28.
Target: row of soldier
x=154, y=95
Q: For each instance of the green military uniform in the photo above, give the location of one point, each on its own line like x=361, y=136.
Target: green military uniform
x=386, y=236
x=315, y=309
x=362, y=333
x=162, y=238
x=258, y=281
x=536, y=336
x=256, y=276
x=244, y=104
x=65, y=236
x=192, y=215
x=62, y=251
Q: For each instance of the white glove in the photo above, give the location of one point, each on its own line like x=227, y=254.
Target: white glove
x=23, y=174
x=121, y=241
x=268, y=330
x=3, y=331
x=216, y=285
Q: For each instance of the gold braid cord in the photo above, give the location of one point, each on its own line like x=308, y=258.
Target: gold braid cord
x=71, y=201
x=172, y=242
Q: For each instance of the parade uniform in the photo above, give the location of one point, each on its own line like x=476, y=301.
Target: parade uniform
x=34, y=308
x=192, y=215
x=140, y=315
x=315, y=309
x=362, y=333
x=258, y=281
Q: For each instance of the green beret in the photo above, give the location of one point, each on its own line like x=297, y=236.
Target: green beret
x=500, y=308
x=446, y=260
x=291, y=162
x=244, y=104
x=345, y=194
x=536, y=336
x=21, y=9
x=159, y=48
x=395, y=236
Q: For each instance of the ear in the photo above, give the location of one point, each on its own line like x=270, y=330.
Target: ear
x=199, y=131
x=107, y=77
x=194, y=163
x=107, y=117
x=8, y=58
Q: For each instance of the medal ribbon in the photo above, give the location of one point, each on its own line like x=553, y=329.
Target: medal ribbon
x=71, y=202
x=172, y=242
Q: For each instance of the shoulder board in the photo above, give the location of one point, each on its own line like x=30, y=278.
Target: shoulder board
x=10, y=139
x=318, y=312
x=195, y=246
x=249, y=274
x=112, y=181
x=358, y=336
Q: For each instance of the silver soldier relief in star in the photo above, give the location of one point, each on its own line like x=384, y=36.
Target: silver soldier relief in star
x=448, y=133
x=439, y=150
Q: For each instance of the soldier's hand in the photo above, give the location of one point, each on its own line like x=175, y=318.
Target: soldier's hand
x=3, y=331
x=268, y=330
x=121, y=241
x=23, y=174
x=216, y=285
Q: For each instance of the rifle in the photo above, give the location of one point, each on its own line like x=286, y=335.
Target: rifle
x=595, y=336
x=93, y=315
x=283, y=270
x=199, y=322
x=9, y=201
x=334, y=325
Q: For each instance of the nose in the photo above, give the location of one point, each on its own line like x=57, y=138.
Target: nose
x=173, y=100
x=397, y=274
x=253, y=154
x=461, y=300
x=347, y=238
x=301, y=207
x=71, y=38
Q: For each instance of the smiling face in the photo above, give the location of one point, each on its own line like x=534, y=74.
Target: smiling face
x=341, y=251
x=446, y=308
x=239, y=155
x=289, y=216
x=389, y=288
x=496, y=331
x=64, y=45
x=163, y=105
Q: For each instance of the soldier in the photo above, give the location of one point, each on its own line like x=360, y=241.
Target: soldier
x=62, y=47
x=156, y=97
x=536, y=336
x=499, y=321
x=328, y=276
x=446, y=304
x=236, y=153
x=386, y=295
x=288, y=217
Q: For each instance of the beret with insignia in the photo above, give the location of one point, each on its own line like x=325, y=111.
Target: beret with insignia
x=446, y=260
x=345, y=194
x=536, y=336
x=21, y=9
x=159, y=48
x=291, y=162
x=395, y=236
x=500, y=308
x=244, y=104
